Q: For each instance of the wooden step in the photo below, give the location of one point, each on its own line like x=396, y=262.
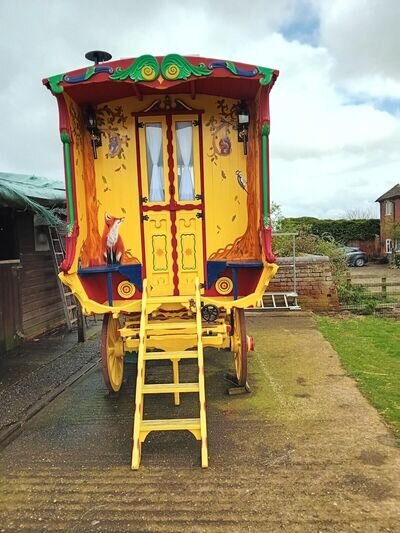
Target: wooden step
x=172, y=424
x=162, y=356
x=168, y=388
x=170, y=325
x=169, y=299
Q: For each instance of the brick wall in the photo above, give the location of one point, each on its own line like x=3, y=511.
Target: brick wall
x=314, y=282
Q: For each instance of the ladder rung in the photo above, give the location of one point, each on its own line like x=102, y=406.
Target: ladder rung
x=172, y=424
x=72, y=320
x=69, y=307
x=163, y=388
x=68, y=293
x=161, y=356
x=171, y=325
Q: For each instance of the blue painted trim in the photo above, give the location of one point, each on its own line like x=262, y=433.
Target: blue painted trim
x=235, y=284
x=132, y=272
x=83, y=77
x=109, y=288
x=241, y=264
x=214, y=269
x=234, y=69
x=98, y=270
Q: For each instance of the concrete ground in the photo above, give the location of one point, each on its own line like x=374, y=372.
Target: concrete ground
x=304, y=452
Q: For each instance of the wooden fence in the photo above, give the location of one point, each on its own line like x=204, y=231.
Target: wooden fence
x=364, y=291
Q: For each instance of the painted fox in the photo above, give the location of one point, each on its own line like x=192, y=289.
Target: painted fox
x=112, y=245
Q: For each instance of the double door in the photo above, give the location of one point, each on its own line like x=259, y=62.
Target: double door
x=172, y=203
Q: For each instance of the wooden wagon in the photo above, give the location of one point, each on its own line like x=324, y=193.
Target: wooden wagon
x=169, y=235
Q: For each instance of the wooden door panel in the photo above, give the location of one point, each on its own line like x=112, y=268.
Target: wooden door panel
x=189, y=250
x=157, y=230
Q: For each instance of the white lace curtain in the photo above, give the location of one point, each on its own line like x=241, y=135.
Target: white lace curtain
x=184, y=136
x=155, y=162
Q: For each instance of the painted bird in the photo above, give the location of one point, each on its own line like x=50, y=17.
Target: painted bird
x=242, y=180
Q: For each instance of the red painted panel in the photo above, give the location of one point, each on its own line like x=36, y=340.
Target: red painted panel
x=95, y=286
x=248, y=279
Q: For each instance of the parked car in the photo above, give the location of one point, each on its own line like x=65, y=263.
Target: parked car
x=355, y=256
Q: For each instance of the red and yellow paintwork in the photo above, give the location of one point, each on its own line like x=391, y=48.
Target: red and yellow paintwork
x=171, y=275
x=172, y=247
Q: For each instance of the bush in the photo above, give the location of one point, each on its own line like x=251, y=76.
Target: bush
x=359, y=296
x=343, y=231
x=307, y=243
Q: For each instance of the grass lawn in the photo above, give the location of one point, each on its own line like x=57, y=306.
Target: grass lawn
x=369, y=348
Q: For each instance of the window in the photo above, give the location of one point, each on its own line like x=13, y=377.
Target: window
x=41, y=234
x=184, y=138
x=155, y=165
x=388, y=208
x=388, y=246
x=397, y=245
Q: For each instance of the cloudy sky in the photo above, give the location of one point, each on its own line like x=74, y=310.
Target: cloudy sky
x=335, y=136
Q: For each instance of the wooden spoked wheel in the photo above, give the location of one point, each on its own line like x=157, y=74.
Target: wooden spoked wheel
x=239, y=345
x=112, y=351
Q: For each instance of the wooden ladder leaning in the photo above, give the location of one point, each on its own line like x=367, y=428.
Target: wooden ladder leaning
x=67, y=298
x=197, y=426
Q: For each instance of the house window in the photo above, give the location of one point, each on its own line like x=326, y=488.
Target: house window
x=397, y=245
x=41, y=234
x=388, y=246
x=388, y=208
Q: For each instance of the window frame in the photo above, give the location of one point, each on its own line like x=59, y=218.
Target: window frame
x=388, y=246
x=388, y=208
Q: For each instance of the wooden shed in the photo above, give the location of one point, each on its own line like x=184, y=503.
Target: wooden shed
x=30, y=299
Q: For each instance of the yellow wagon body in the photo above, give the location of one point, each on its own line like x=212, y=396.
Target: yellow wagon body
x=167, y=173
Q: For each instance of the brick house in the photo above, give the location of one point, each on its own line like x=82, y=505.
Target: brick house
x=390, y=217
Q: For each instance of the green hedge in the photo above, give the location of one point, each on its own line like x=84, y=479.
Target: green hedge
x=342, y=231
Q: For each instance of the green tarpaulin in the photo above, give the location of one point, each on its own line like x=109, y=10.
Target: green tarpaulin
x=40, y=195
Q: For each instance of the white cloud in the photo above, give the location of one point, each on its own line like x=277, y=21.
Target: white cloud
x=328, y=154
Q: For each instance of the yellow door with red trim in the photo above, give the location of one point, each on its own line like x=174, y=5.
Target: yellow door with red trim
x=172, y=202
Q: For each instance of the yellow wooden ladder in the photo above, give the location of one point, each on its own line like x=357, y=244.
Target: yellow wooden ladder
x=197, y=426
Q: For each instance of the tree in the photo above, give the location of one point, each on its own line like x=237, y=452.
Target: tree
x=360, y=213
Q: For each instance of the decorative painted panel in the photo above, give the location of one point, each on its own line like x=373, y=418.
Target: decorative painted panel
x=188, y=251
x=159, y=252
x=157, y=234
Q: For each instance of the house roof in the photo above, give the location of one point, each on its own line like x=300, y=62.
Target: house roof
x=394, y=192
x=40, y=195
x=46, y=191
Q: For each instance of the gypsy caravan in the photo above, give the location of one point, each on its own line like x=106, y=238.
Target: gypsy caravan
x=169, y=235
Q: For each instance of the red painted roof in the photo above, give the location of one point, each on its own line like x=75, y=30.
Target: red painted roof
x=225, y=78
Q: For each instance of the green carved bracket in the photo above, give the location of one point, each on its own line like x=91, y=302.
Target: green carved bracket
x=65, y=139
x=265, y=129
x=146, y=68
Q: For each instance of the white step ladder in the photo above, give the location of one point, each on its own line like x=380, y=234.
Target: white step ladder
x=280, y=300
